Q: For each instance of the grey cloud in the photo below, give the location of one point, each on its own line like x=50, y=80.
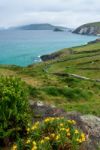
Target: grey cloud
x=64, y=12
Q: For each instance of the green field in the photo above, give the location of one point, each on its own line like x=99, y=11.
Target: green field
x=52, y=82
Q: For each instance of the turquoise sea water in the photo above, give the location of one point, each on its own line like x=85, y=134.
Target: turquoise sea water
x=23, y=47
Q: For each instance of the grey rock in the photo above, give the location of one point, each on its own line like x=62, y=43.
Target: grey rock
x=50, y=56
x=92, y=124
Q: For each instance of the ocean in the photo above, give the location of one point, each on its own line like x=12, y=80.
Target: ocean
x=24, y=47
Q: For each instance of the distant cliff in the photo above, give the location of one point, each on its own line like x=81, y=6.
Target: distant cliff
x=44, y=26
x=89, y=29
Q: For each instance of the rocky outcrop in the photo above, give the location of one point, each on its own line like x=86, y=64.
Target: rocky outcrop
x=56, y=55
x=89, y=29
x=58, y=30
x=95, y=41
x=91, y=126
x=50, y=56
x=87, y=123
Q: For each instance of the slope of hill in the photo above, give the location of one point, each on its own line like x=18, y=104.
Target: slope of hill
x=89, y=29
x=44, y=26
x=71, y=80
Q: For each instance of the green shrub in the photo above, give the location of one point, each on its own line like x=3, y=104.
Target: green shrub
x=54, y=91
x=76, y=93
x=68, y=92
x=72, y=81
x=14, y=109
x=33, y=91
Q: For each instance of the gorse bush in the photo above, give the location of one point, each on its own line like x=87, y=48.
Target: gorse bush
x=52, y=134
x=54, y=91
x=14, y=109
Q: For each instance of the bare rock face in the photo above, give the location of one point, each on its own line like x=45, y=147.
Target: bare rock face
x=89, y=124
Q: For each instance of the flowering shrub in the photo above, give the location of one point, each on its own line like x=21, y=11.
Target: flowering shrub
x=14, y=109
x=52, y=134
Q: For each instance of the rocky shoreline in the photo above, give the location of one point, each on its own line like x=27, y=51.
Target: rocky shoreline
x=55, y=55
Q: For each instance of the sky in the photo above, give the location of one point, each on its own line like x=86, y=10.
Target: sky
x=68, y=13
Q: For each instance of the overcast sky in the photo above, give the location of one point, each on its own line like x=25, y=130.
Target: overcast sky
x=70, y=13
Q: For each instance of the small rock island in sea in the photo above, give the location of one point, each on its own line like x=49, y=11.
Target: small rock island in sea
x=58, y=30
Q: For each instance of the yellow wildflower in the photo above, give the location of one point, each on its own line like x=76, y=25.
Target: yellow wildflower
x=34, y=146
x=28, y=129
x=28, y=141
x=76, y=131
x=49, y=119
x=61, y=124
x=42, y=141
x=52, y=135
x=67, y=130
x=83, y=137
x=47, y=138
x=14, y=147
x=79, y=140
x=33, y=128
x=37, y=123
x=62, y=129
x=68, y=134
x=46, y=120
x=71, y=121
x=57, y=118
x=57, y=137
x=34, y=143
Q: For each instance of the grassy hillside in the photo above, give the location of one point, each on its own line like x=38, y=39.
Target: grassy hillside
x=70, y=81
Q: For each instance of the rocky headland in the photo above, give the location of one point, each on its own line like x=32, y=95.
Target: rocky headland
x=88, y=29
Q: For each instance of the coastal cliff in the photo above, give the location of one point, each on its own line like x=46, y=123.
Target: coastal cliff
x=89, y=29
